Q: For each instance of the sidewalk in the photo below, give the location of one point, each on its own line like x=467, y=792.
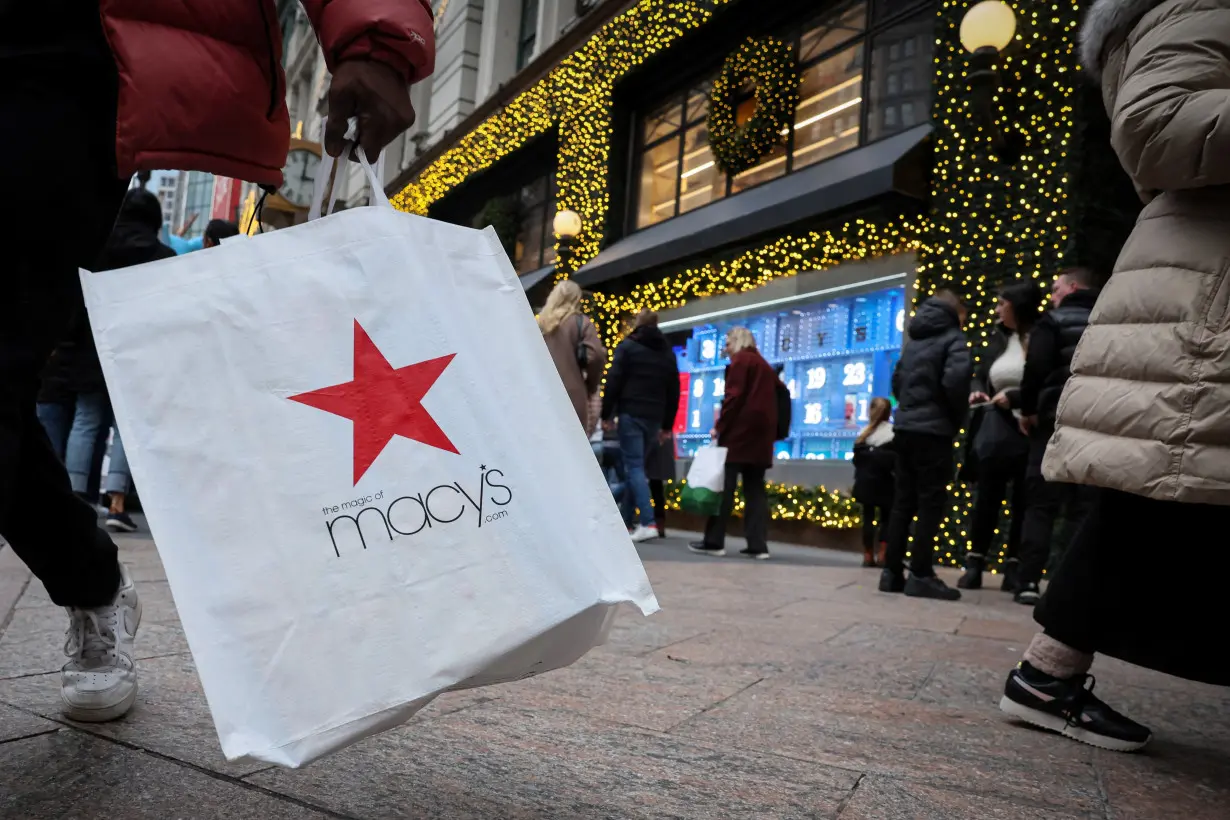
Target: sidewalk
x=783, y=689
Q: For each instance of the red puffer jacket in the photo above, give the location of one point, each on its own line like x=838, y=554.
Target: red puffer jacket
x=201, y=85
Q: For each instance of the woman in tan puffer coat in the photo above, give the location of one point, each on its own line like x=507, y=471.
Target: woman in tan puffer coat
x=1146, y=414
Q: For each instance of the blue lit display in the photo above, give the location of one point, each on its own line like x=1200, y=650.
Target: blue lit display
x=836, y=356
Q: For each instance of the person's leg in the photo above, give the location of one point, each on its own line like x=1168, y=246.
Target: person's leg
x=633, y=433
x=1041, y=509
x=884, y=514
x=991, y=489
x=1075, y=505
x=934, y=468
x=934, y=465
x=54, y=104
x=88, y=421
x=755, y=511
x=117, y=485
x=1050, y=687
x=657, y=489
x=715, y=527
x=57, y=419
x=905, y=504
x=869, y=529
x=1017, y=502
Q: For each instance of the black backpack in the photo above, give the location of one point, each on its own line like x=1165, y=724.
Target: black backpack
x=785, y=409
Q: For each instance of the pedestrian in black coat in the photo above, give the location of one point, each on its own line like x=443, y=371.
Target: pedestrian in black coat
x=931, y=383
x=1047, y=369
x=997, y=450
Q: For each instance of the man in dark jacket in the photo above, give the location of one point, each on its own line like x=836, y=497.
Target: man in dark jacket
x=642, y=393
x=1048, y=361
x=931, y=384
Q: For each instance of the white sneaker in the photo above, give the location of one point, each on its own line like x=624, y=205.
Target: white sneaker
x=643, y=533
x=99, y=683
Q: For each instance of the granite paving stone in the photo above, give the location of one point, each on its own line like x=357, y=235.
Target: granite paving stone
x=14, y=723
x=786, y=689
x=503, y=761
x=69, y=775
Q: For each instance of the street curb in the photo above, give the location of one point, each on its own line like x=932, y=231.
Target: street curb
x=14, y=578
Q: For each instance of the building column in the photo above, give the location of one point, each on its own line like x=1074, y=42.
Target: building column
x=498, y=48
x=454, y=84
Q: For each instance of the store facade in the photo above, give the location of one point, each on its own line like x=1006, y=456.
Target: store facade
x=872, y=186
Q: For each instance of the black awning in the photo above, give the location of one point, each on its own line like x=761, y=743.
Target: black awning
x=843, y=181
x=532, y=278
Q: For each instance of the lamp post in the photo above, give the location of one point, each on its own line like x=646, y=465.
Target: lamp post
x=986, y=30
x=567, y=226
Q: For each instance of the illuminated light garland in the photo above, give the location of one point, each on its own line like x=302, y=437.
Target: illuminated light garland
x=771, y=67
x=813, y=505
x=992, y=223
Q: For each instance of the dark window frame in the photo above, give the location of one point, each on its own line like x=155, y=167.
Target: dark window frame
x=876, y=22
x=544, y=207
x=527, y=33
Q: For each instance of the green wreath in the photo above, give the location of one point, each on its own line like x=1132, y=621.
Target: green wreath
x=770, y=65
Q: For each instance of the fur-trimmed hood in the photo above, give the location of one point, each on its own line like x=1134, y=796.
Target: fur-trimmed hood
x=1107, y=21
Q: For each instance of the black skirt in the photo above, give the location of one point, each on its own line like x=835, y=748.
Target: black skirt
x=1142, y=582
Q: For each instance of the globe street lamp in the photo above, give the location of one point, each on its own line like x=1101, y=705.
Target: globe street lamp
x=987, y=29
x=567, y=226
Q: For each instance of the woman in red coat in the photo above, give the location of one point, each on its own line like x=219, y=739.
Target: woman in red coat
x=747, y=428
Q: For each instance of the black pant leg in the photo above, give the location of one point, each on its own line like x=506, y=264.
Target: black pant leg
x=1017, y=503
x=992, y=488
x=1076, y=501
x=905, y=504
x=1041, y=511
x=657, y=489
x=869, y=526
x=47, y=526
x=715, y=527
x=934, y=476
x=756, y=509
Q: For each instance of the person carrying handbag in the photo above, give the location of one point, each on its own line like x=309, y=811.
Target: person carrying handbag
x=998, y=451
x=578, y=353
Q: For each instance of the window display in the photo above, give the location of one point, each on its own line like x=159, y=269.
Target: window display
x=835, y=356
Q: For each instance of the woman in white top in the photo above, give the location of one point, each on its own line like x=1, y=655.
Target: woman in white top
x=997, y=452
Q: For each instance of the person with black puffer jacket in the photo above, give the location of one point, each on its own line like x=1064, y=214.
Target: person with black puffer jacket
x=642, y=396
x=1048, y=366
x=931, y=383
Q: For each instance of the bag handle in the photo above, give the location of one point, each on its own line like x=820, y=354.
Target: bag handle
x=326, y=169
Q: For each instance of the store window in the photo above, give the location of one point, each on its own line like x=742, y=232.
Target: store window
x=534, y=246
x=898, y=56
x=835, y=355
x=676, y=172
x=527, y=37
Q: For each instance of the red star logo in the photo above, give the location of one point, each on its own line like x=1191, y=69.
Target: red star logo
x=382, y=401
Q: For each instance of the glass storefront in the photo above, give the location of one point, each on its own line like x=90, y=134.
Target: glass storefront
x=834, y=355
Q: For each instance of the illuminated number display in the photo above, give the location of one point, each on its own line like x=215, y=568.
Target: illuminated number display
x=834, y=356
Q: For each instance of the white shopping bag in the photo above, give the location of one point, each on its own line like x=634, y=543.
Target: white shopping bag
x=702, y=492
x=364, y=477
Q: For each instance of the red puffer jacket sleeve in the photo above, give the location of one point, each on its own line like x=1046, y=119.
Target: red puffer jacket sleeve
x=398, y=33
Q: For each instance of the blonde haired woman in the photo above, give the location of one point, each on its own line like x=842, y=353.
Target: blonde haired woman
x=578, y=353
x=746, y=427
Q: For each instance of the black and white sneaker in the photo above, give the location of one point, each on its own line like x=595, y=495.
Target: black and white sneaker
x=1069, y=707
x=930, y=586
x=120, y=522
x=1028, y=594
x=701, y=548
x=762, y=555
